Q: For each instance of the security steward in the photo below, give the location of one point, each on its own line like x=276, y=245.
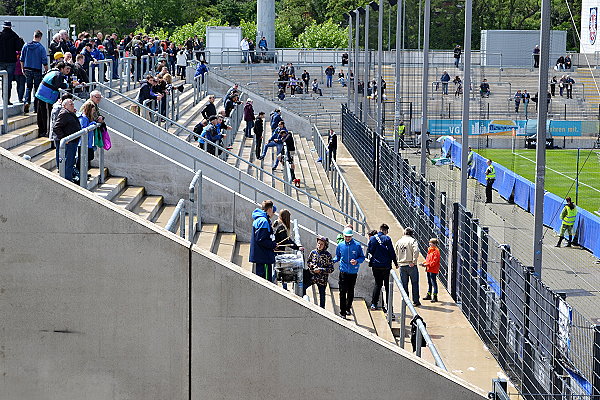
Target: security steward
x=568, y=216
x=490, y=178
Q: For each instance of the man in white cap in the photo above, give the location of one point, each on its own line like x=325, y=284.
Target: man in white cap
x=349, y=254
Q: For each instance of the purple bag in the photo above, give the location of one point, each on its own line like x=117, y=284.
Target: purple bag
x=106, y=139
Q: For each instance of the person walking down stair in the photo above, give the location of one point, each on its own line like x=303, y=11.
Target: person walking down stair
x=319, y=265
x=432, y=267
x=248, y=118
x=350, y=255
x=259, y=128
x=277, y=140
x=407, y=255
x=568, y=217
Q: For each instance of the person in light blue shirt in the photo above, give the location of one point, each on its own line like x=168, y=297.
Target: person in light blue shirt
x=349, y=254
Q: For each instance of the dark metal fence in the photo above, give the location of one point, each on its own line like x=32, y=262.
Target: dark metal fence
x=546, y=348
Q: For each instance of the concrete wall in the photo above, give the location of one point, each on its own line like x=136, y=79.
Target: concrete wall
x=95, y=304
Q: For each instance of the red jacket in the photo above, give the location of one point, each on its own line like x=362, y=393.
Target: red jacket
x=432, y=261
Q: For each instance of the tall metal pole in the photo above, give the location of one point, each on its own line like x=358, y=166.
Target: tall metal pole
x=349, y=49
x=424, y=85
x=356, y=51
x=365, y=100
x=397, y=95
x=540, y=152
x=466, y=101
x=420, y=15
x=379, y=77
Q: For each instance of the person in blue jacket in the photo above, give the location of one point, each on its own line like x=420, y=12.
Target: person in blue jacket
x=382, y=254
x=349, y=254
x=262, y=241
x=202, y=69
x=276, y=119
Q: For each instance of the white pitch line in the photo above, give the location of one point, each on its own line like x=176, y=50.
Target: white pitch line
x=560, y=173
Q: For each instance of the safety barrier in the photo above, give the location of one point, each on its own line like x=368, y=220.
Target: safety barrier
x=5, y=97
x=192, y=210
x=547, y=348
x=82, y=136
x=514, y=187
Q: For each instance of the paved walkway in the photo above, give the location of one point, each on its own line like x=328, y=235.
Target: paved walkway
x=574, y=270
x=460, y=347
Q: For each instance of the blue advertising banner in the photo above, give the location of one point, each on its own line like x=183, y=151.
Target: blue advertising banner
x=453, y=127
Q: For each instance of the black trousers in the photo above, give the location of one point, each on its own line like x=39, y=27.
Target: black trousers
x=258, y=144
x=488, y=190
x=346, y=285
x=382, y=276
x=43, y=117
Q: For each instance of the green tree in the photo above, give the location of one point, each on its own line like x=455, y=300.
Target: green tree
x=248, y=29
x=283, y=34
x=325, y=35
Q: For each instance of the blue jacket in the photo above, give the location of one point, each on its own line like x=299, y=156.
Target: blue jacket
x=262, y=242
x=201, y=70
x=346, y=252
x=445, y=78
x=275, y=120
x=34, y=55
x=48, y=91
x=280, y=134
x=382, y=251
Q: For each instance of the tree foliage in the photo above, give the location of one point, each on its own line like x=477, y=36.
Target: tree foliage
x=325, y=35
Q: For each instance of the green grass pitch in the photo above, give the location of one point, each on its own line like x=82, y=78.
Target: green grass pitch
x=561, y=171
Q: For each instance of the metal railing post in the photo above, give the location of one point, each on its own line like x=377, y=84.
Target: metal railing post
x=83, y=163
x=5, y=96
x=390, y=302
x=402, y=322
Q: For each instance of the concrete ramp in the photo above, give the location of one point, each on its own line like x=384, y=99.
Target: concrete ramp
x=99, y=303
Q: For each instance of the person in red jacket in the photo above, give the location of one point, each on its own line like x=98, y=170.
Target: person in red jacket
x=432, y=266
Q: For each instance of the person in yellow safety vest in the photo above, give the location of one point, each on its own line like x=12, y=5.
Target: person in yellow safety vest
x=470, y=165
x=568, y=216
x=490, y=178
x=401, y=130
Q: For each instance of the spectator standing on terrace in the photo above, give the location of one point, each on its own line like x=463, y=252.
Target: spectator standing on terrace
x=536, y=56
x=484, y=88
x=66, y=124
x=210, y=108
x=230, y=104
x=19, y=78
x=248, y=118
x=342, y=78
x=10, y=43
x=201, y=70
x=259, y=128
x=445, y=79
x=262, y=241
x=568, y=217
x=181, y=63
x=382, y=254
x=172, y=58
x=490, y=178
x=245, y=47
x=112, y=52
x=470, y=162
x=147, y=91
x=349, y=254
x=276, y=119
x=329, y=71
x=48, y=93
x=33, y=61
x=569, y=82
x=283, y=232
x=432, y=267
x=277, y=140
x=78, y=73
x=457, y=54
x=210, y=135
x=553, y=83
x=526, y=98
x=305, y=78
x=407, y=254
x=518, y=97
x=458, y=84
x=319, y=265
x=332, y=146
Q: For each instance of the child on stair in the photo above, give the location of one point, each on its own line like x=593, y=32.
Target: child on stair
x=432, y=266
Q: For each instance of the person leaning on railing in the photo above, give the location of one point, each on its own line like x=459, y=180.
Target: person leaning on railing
x=262, y=241
x=66, y=124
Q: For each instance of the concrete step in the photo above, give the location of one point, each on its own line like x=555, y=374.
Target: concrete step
x=207, y=236
x=18, y=136
x=382, y=328
x=46, y=160
x=361, y=314
x=163, y=215
x=329, y=301
x=32, y=148
x=110, y=188
x=148, y=207
x=241, y=256
x=129, y=197
x=225, y=246
x=20, y=121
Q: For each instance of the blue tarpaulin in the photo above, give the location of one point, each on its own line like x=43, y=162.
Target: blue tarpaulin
x=553, y=206
x=588, y=231
x=522, y=192
x=505, y=181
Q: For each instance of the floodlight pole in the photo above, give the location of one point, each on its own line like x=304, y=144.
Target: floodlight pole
x=365, y=100
x=356, y=52
x=466, y=125
x=424, y=85
x=540, y=152
x=349, y=49
x=379, y=77
x=398, y=96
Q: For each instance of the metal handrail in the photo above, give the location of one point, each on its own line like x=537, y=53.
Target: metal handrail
x=195, y=204
x=177, y=216
x=421, y=331
x=5, y=96
x=340, y=187
x=83, y=164
x=259, y=170
x=200, y=89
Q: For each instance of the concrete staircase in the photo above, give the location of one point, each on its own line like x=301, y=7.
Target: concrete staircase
x=22, y=140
